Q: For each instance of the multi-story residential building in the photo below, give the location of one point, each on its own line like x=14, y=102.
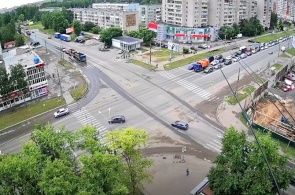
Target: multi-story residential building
x=105, y=17
x=189, y=13
x=149, y=13
x=228, y=12
x=35, y=75
x=285, y=9
x=264, y=8
x=117, y=6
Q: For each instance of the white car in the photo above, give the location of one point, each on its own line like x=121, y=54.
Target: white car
x=61, y=112
x=228, y=58
x=236, y=59
x=266, y=47
x=214, y=62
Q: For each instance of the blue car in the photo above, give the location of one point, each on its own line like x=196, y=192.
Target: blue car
x=191, y=67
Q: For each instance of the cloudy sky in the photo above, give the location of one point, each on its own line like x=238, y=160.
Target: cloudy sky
x=11, y=3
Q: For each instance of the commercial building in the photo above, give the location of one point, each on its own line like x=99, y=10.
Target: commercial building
x=183, y=34
x=228, y=12
x=105, y=18
x=126, y=43
x=150, y=13
x=190, y=13
x=35, y=75
x=264, y=8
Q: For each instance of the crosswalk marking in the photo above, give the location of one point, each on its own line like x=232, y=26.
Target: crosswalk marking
x=215, y=144
x=190, y=86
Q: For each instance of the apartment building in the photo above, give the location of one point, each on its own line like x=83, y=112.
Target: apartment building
x=189, y=13
x=150, y=13
x=130, y=7
x=228, y=12
x=285, y=9
x=35, y=75
x=108, y=17
x=264, y=8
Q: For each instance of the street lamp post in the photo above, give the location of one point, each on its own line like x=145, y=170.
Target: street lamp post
x=109, y=113
x=105, y=119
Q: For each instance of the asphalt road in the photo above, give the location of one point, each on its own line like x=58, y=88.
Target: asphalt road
x=148, y=92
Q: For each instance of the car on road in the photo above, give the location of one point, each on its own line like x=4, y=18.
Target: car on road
x=61, y=112
x=191, y=67
x=209, y=69
x=180, y=125
x=194, y=48
x=117, y=119
x=243, y=56
x=236, y=59
x=271, y=52
x=218, y=57
x=228, y=58
x=227, y=62
x=49, y=37
x=221, y=60
x=204, y=46
x=249, y=53
x=218, y=66
x=214, y=62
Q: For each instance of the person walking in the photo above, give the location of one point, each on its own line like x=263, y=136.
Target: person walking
x=187, y=172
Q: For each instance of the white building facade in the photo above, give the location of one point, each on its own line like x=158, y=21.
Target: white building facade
x=35, y=75
x=105, y=18
x=150, y=13
x=264, y=8
x=228, y=12
x=189, y=13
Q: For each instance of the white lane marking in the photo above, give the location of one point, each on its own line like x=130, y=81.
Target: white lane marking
x=217, y=149
x=7, y=132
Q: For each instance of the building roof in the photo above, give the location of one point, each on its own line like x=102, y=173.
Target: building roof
x=127, y=39
x=19, y=56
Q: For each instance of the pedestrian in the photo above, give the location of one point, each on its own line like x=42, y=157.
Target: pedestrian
x=187, y=172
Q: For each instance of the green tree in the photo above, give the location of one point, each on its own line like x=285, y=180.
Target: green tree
x=88, y=26
x=251, y=27
x=281, y=25
x=240, y=168
x=18, y=77
x=236, y=29
x=273, y=20
x=226, y=32
x=5, y=84
x=106, y=35
x=134, y=33
x=60, y=23
x=21, y=17
x=19, y=40
x=127, y=143
x=96, y=30
x=47, y=20
x=77, y=27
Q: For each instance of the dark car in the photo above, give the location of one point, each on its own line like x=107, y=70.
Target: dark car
x=227, y=62
x=117, y=119
x=251, y=41
x=237, y=54
x=193, y=48
x=221, y=60
x=180, y=125
x=209, y=69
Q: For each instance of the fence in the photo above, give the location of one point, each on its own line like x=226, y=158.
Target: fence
x=255, y=96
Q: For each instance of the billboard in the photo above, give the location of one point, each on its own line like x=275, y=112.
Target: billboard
x=130, y=20
x=173, y=46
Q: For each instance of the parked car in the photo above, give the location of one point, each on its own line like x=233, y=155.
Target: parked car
x=218, y=57
x=117, y=119
x=180, y=125
x=61, y=112
x=249, y=53
x=236, y=59
x=228, y=58
x=193, y=48
x=218, y=66
x=243, y=56
x=209, y=69
x=214, y=62
x=221, y=60
x=227, y=62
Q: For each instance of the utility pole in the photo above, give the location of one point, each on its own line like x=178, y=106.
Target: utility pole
x=150, y=52
x=46, y=45
x=59, y=82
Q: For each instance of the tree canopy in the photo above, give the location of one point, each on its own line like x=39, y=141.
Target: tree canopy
x=251, y=27
x=143, y=33
x=47, y=164
x=241, y=169
x=107, y=34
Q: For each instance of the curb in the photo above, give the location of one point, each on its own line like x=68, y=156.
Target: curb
x=32, y=117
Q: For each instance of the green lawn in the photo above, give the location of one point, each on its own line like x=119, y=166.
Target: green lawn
x=284, y=55
x=277, y=66
x=165, y=53
x=66, y=64
x=29, y=111
x=192, y=59
x=272, y=37
x=142, y=64
x=241, y=95
x=40, y=27
x=79, y=92
x=291, y=51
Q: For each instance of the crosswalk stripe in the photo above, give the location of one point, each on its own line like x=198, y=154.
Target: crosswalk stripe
x=217, y=149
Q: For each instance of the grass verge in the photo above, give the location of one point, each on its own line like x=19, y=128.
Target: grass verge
x=272, y=37
x=142, y=64
x=40, y=27
x=192, y=59
x=284, y=55
x=288, y=150
x=65, y=64
x=277, y=66
x=291, y=51
x=29, y=111
x=241, y=95
x=79, y=91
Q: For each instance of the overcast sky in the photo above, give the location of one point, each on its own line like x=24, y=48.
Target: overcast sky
x=11, y=3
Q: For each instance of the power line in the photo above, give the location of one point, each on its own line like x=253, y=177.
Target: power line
x=256, y=138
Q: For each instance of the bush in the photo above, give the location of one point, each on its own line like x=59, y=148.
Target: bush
x=185, y=50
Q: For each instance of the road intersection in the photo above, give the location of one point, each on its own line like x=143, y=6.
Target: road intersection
x=149, y=100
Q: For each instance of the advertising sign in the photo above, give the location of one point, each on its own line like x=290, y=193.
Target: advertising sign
x=173, y=46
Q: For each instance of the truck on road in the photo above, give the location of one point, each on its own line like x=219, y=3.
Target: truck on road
x=65, y=37
x=80, y=56
x=201, y=65
x=57, y=35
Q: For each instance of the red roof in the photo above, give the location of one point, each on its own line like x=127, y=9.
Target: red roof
x=9, y=43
